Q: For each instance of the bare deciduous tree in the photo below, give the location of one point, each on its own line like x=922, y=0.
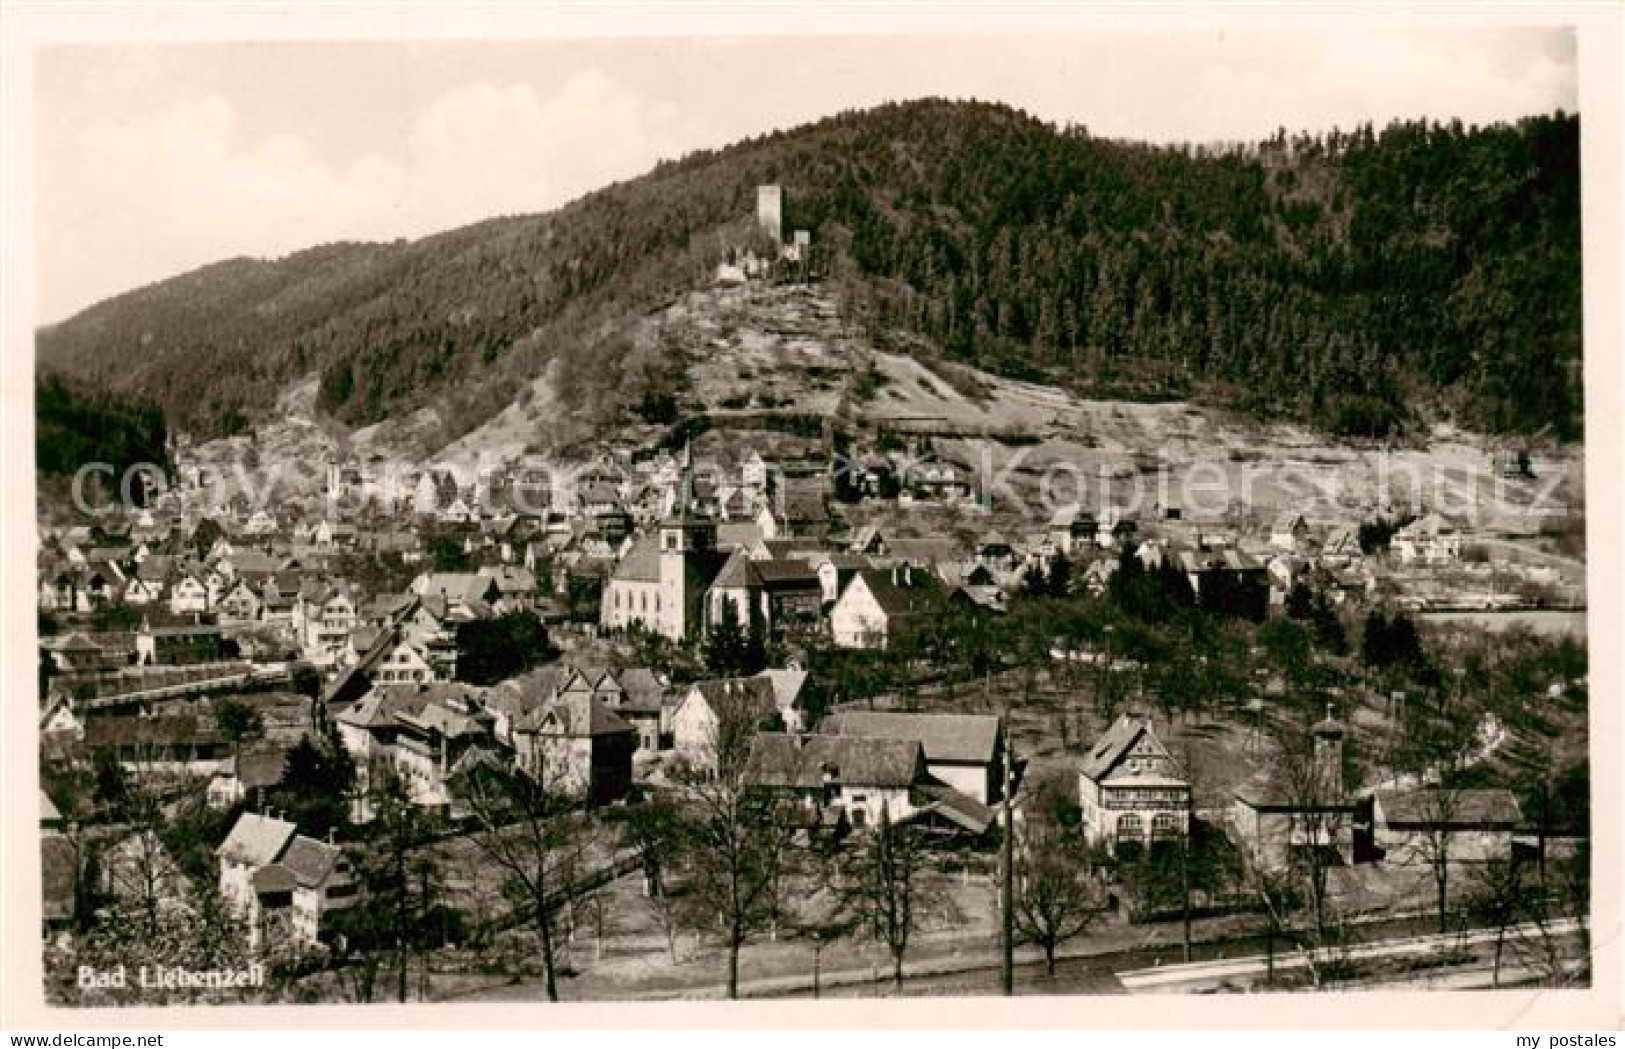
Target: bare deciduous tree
x=656, y=830
x=541, y=838
x=1437, y=812
x=736, y=836
x=1318, y=817
x=1500, y=897
x=397, y=873
x=885, y=881
x=1056, y=896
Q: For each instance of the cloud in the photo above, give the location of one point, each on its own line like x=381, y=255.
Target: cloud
x=180, y=187
x=195, y=160
x=485, y=148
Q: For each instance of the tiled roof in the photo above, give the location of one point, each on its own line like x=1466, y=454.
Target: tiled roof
x=800, y=549
x=440, y=706
x=642, y=685
x=1266, y=790
x=256, y=840
x=957, y=808
x=922, y=595
x=924, y=551
x=512, y=579
x=580, y=715
x=787, y=685
x=527, y=692
x=642, y=563
x=273, y=877
x=70, y=643
x=842, y=560
x=1113, y=744
x=1449, y=808
x=385, y=606
x=780, y=573
x=252, y=562
x=380, y=706
x=758, y=692
x=733, y=534
x=738, y=572
x=311, y=862
x=944, y=737
x=779, y=759
x=466, y=587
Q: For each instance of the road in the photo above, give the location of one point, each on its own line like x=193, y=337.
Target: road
x=1219, y=975
x=1077, y=971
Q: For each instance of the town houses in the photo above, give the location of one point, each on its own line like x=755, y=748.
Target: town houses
x=650, y=633
x=701, y=627
x=1025, y=548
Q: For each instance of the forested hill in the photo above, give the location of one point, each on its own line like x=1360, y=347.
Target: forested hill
x=75, y=427
x=1343, y=279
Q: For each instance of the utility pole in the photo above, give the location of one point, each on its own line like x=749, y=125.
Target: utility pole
x=1007, y=910
x=1185, y=887
x=1185, y=850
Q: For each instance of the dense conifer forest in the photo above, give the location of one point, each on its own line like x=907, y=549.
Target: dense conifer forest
x=1364, y=281
x=75, y=426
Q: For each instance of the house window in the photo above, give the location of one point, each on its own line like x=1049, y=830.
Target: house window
x=1130, y=827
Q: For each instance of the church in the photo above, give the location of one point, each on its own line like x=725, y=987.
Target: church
x=660, y=584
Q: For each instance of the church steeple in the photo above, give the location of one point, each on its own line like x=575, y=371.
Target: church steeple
x=685, y=482
x=687, y=528
x=1329, y=733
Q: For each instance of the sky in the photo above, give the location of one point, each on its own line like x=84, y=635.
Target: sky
x=152, y=160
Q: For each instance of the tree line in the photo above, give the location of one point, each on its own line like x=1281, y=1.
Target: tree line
x=1336, y=278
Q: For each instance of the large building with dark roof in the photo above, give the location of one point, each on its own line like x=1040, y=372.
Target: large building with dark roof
x=574, y=744
x=878, y=604
x=661, y=583
x=965, y=751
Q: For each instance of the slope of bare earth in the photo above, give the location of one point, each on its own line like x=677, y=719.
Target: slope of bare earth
x=762, y=362
x=754, y=348
x=286, y=456
x=531, y=423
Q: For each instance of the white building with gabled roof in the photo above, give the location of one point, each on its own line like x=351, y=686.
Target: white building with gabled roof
x=1131, y=789
x=275, y=878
